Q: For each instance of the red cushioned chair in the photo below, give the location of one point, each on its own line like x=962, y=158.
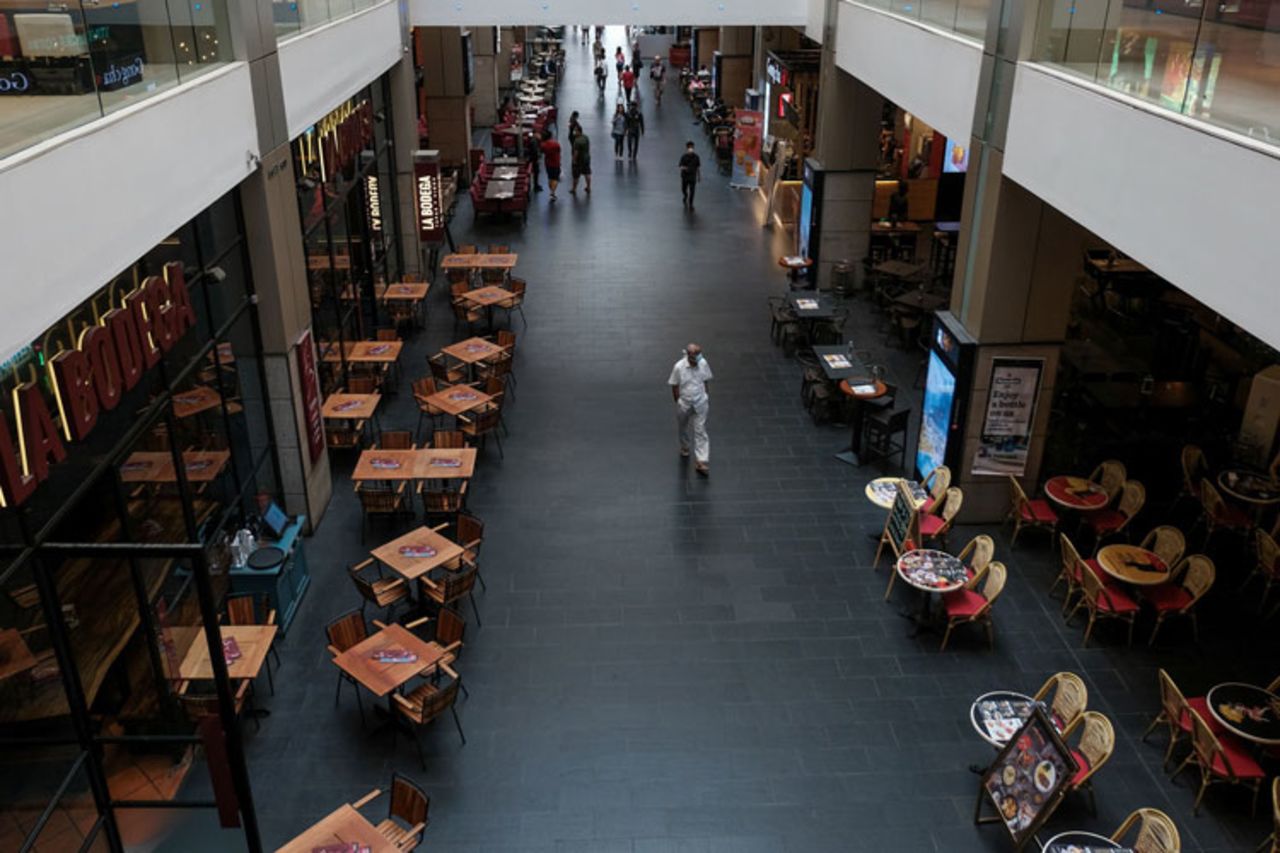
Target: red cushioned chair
x=1096, y=744
x=938, y=526
x=977, y=554
x=1216, y=515
x=1028, y=513
x=1197, y=573
x=936, y=484
x=973, y=605
x=1070, y=570
x=1114, y=522
x=1221, y=758
x=1103, y=602
x=1173, y=713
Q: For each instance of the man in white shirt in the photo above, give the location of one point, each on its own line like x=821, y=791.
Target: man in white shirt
x=689, y=378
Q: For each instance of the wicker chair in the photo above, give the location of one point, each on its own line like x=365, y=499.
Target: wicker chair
x=977, y=554
x=1216, y=514
x=1069, y=571
x=1221, y=758
x=938, y=526
x=1194, y=469
x=1166, y=542
x=1173, y=713
x=1266, y=564
x=1103, y=601
x=1156, y=832
x=407, y=814
x=1114, y=522
x=936, y=484
x=1024, y=512
x=382, y=592
x=1070, y=698
x=1272, y=842
x=1095, y=745
x=1111, y=475
x=971, y=605
x=426, y=702
x=1179, y=599
x=343, y=633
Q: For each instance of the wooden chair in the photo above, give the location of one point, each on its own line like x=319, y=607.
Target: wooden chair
x=973, y=606
x=442, y=501
x=515, y=303
x=498, y=367
x=396, y=439
x=482, y=423
x=499, y=249
x=382, y=592
x=423, y=388
x=450, y=439
x=470, y=535
x=1180, y=598
x=1070, y=698
x=451, y=587
x=1156, y=832
x=1266, y=565
x=1166, y=542
x=1221, y=758
x=426, y=702
x=1094, y=747
x=466, y=249
x=1024, y=512
x=1194, y=469
x=506, y=339
x=200, y=705
x=1113, y=522
x=381, y=501
x=442, y=373
x=1071, y=567
x=345, y=437
x=243, y=609
x=465, y=312
x=1103, y=601
x=1173, y=713
x=1111, y=475
x=1216, y=514
x=937, y=527
x=936, y=484
x=343, y=633
x=386, y=335
x=1272, y=842
x=977, y=554
x=406, y=815
x=362, y=385
x=450, y=628
x=497, y=391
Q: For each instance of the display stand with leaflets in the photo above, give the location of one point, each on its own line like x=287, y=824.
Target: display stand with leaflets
x=901, y=527
x=1028, y=779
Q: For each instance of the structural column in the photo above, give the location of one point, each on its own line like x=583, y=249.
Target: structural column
x=484, y=99
x=404, y=139
x=447, y=101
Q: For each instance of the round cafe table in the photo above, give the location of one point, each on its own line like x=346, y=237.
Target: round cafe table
x=1076, y=841
x=1075, y=493
x=932, y=572
x=1247, y=711
x=794, y=268
x=997, y=716
x=1131, y=564
x=1250, y=487
x=883, y=490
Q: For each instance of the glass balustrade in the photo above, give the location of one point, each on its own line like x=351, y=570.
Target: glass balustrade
x=66, y=64
x=294, y=17
x=967, y=18
x=1216, y=62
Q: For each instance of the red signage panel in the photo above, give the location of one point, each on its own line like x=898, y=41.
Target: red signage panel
x=313, y=414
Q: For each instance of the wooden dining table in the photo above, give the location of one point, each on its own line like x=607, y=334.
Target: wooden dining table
x=418, y=464
x=479, y=262
x=417, y=552
x=382, y=677
x=156, y=466
x=407, y=291
x=458, y=399
x=473, y=350
x=341, y=406
x=254, y=641
x=344, y=825
x=365, y=352
x=195, y=400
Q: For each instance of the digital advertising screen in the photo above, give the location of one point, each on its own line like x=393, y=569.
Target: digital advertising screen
x=806, y=221
x=935, y=422
x=956, y=157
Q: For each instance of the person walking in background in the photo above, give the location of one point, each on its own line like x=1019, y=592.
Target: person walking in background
x=635, y=129
x=688, y=381
x=690, y=173
x=597, y=50
x=619, y=131
x=602, y=75
x=620, y=62
x=658, y=74
x=581, y=162
x=532, y=153
x=575, y=127
x=628, y=82
x=551, y=159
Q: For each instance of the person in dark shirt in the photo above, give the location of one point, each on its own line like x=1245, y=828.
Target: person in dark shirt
x=635, y=129
x=690, y=173
x=551, y=160
x=581, y=161
x=898, y=204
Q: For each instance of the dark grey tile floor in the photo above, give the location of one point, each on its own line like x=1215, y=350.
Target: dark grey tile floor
x=675, y=664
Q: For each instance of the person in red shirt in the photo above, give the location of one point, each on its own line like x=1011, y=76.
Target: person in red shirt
x=628, y=82
x=551, y=160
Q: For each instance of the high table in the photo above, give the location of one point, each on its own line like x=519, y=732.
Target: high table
x=344, y=825
x=1133, y=565
x=795, y=265
x=858, y=393
x=931, y=572
x=1247, y=711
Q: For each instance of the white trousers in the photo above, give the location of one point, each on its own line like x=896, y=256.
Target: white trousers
x=691, y=418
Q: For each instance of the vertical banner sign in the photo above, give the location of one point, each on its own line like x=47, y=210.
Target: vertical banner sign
x=312, y=413
x=1011, y=408
x=426, y=196
x=748, y=125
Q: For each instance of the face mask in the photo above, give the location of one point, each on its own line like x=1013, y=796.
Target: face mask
x=695, y=358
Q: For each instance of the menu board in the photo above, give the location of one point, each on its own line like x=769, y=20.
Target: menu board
x=1028, y=779
x=902, y=526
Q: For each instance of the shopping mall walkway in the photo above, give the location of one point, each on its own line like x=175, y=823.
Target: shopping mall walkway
x=669, y=663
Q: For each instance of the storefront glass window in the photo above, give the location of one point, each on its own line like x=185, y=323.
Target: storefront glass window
x=63, y=66
x=1217, y=63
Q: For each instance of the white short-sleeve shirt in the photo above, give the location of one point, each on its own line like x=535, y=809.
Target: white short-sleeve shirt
x=692, y=381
